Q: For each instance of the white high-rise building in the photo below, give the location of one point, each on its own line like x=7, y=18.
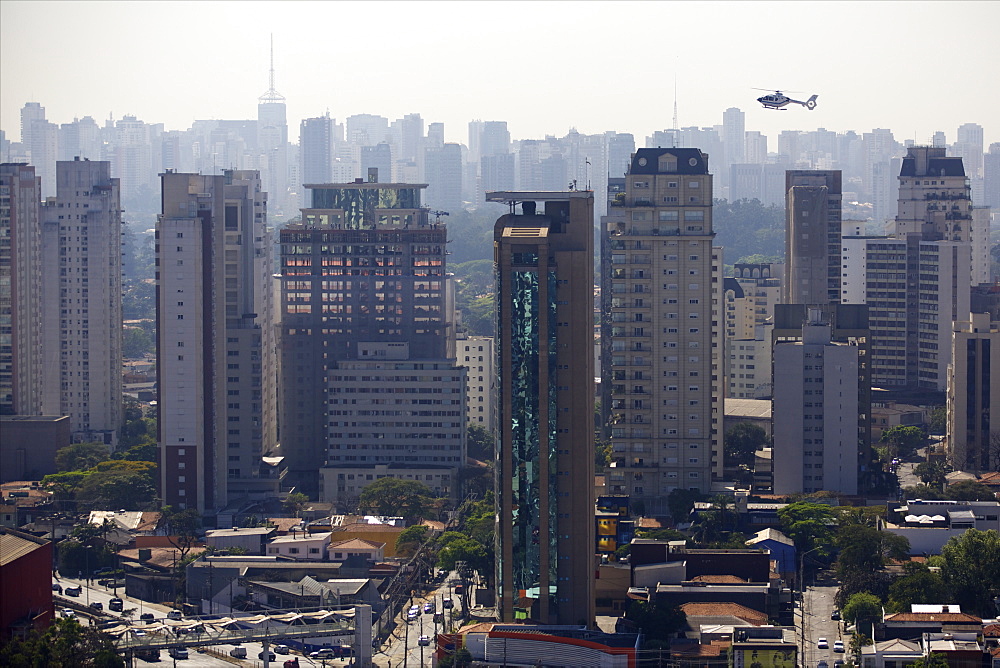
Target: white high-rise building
x=216, y=352
x=82, y=300
x=815, y=412
x=475, y=353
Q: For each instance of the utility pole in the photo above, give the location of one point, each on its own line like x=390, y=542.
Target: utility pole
x=406, y=643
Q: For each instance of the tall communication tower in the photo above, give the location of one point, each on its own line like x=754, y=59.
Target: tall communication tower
x=271, y=95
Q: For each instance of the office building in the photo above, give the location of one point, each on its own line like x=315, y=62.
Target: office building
x=215, y=345
x=20, y=291
x=81, y=300
x=272, y=142
x=363, y=278
x=545, y=404
x=991, y=177
x=665, y=327
x=750, y=300
x=443, y=169
x=316, y=149
x=812, y=236
x=973, y=441
x=815, y=395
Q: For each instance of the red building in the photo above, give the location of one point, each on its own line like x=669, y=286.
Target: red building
x=25, y=583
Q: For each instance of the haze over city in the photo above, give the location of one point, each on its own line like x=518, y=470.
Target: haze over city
x=544, y=67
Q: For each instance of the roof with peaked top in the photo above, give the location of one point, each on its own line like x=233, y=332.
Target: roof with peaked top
x=770, y=534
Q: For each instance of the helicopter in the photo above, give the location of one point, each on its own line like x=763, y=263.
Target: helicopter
x=779, y=100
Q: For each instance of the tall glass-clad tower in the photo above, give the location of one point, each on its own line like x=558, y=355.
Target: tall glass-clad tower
x=545, y=463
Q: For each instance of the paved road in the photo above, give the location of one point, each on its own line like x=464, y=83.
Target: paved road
x=403, y=648
x=816, y=611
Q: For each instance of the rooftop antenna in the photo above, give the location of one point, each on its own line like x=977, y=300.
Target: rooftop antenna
x=271, y=95
x=676, y=129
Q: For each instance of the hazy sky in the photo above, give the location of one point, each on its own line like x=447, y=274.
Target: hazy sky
x=913, y=67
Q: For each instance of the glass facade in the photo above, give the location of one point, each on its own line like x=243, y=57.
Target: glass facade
x=360, y=204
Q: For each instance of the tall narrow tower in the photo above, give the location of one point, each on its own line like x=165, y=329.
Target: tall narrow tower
x=545, y=463
x=272, y=139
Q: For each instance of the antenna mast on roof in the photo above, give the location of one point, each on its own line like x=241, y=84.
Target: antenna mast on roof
x=271, y=95
x=676, y=129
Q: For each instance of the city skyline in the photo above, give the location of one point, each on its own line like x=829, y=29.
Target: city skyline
x=853, y=52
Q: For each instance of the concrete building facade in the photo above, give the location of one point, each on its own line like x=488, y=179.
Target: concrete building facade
x=475, y=353
x=812, y=236
x=664, y=323
x=215, y=341
x=973, y=442
x=545, y=464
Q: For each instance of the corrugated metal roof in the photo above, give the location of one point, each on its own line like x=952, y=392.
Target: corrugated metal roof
x=14, y=547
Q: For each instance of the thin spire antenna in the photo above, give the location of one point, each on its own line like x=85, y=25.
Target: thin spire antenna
x=271, y=95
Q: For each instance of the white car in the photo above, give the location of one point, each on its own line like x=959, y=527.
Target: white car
x=178, y=652
x=424, y=641
x=838, y=645
x=822, y=644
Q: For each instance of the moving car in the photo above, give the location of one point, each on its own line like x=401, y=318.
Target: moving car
x=448, y=604
x=282, y=649
x=75, y=590
x=424, y=641
x=238, y=652
x=178, y=652
x=838, y=646
x=429, y=607
x=146, y=616
x=116, y=604
x=174, y=614
x=56, y=587
x=67, y=612
x=138, y=633
x=323, y=653
x=836, y=615
x=270, y=656
x=96, y=605
x=838, y=663
x=822, y=644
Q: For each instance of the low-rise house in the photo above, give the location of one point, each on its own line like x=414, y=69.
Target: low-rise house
x=308, y=592
x=781, y=548
x=893, y=653
x=252, y=540
x=924, y=618
x=312, y=547
x=344, y=549
x=765, y=645
x=928, y=525
x=531, y=645
x=960, y=650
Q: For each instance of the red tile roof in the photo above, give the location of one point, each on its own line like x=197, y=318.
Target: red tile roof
x=944, y=617
x=725, y=610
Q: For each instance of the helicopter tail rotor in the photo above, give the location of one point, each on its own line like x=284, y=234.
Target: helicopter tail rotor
x=811, y=102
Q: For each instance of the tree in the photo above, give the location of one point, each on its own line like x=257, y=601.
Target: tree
x=136, y=342
x=969, y=490
x=295, y=502
x=938, y=420
x=918, y=585
x=183, y=527
x=935, y=660
x=128, y=490
x=923, y=492
x=742, y=440
x=65, y=644
x=657, y=621
x=660, y=534
x=410, y=539
x=391, y=497
x=859, y=640
x=81, y=456
x=464, y=549
x=933, y=473
x=865, y=549
x=903, y=441
x=482, y=443
x=972, y=570
x=680, y=502
x=809, y=525
x=863, y=610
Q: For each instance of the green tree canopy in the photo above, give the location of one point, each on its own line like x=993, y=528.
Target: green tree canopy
x=972, y=570
x=464, y=549
x=183, y=526
x=392, y=497
x=935, y=660
x=864, y=548
x=657, y=621
x=810, y=525
x=969, y=490
x=65, y=644
x=81, y=456
x=410, y=538
x=481, y=443
x=295, y=502
x=680, y=502
x=118, y=489
x=938, y=420
x=903, y=441
x=918, y=585
x=932, y=473
x=742, y=440
x=863, y=609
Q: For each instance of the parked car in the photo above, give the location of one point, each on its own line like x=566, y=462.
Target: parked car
x=822, y=643
x=116, y=604
x=838, y=646
x=238, y=652
x=147, y=617
x=836, y=615
x=96, y=605
x=822, y=664
x=67, y=613
x=429, y=607
x=839, y=663
x=148, y=654
x=56, y=587
x=75, y=590
x=448, y=604
x=424, y=641
x=178, y=652
x=270, y=656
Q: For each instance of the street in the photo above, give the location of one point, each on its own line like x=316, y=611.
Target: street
x=815, y=612
x=403, y=648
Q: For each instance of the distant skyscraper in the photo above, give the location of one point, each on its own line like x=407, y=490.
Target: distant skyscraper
x=316, y=149
x=272, y=141
x=734, y=135
x=82, y=321
x=30, y=112
x=991, y=177
x=377, y=157
x=443, y=172
x=495, y=139
x=367, y=129
x=545, y=467
x=663, y=280
x=621, y=146
x=498, y=172
x=969, y=147
x=756, y=147
x=21, y=359
x=215, y=342
x=812, y=236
